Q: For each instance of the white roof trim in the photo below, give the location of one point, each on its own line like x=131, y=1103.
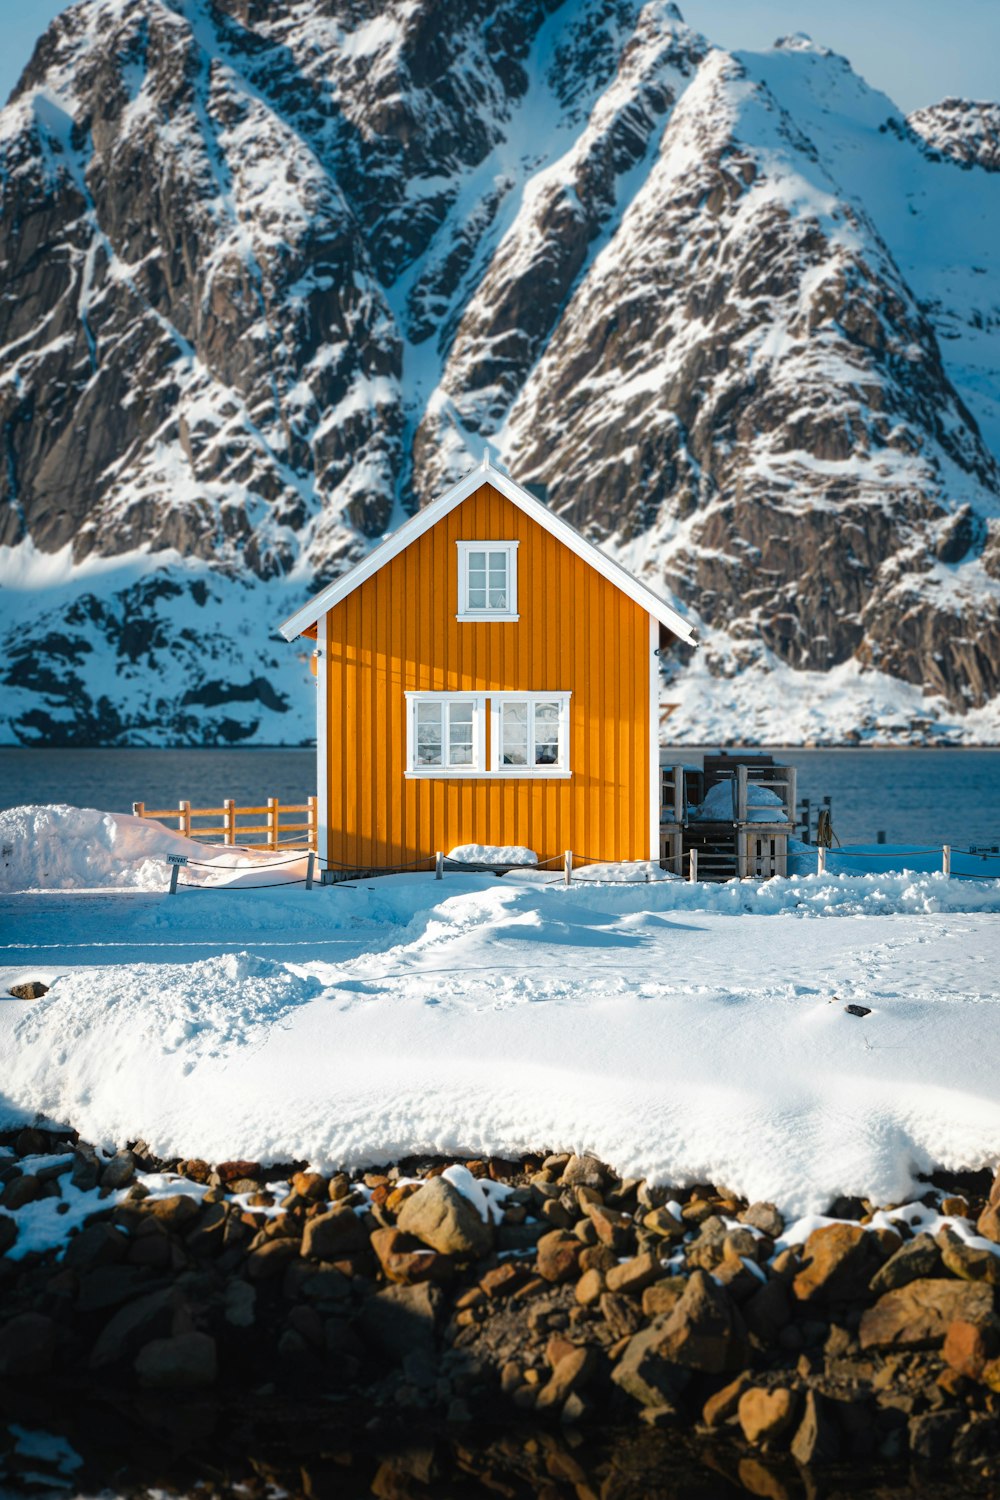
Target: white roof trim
x=431, y=514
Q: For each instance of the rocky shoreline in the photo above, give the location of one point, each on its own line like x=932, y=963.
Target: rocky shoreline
x=545, y=1290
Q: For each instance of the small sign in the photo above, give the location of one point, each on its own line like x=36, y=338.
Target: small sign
x=984, y=848
x=177, y=859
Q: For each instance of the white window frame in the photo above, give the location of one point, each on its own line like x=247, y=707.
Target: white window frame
x=446, y=772
x=464, y=612
x=562, y=772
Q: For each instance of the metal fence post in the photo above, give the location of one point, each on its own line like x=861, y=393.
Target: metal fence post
x=184, y=818
x=946, y=859
x=568, y=866
x=309, y=870
x=174, y=872
x=693, y=866
x=438, y=865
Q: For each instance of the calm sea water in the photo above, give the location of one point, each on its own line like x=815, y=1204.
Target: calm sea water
x=927, y=796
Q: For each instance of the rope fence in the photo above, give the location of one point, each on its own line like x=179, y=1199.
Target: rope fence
x=440, y=862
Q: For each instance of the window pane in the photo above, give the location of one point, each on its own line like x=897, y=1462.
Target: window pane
x=546, y=734
x=498, y=598
x=460, y=721
x=477, y=560
x=514, y=734
x=477, y=598
x=429, y=740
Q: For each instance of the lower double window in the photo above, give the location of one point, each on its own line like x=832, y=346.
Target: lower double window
x=528, y=734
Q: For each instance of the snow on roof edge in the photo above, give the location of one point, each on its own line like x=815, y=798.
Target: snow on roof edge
x=424, y=519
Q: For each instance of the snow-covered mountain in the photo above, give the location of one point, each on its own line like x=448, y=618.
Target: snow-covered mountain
x=274, y=273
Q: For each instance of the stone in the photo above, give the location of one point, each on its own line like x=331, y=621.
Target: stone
x=660, y=1221
x=20, y=1191
x=839, y=1261
x=504, y=1280
x=334, y=1234
x=723, y=1405
x=767, y=1311
x=572, y=1374
x=187, y=1361
x=442, y=1218
x=633, y=1276
x=271, y=1258
x=931, y=1434
x=30, y=989
x=311, y=1185
x=663, y=1296
x=704, y=1331
x=988, y=1223
x=584, y=1171
x=238, y=1171
x=765, y=1416
x=598, y=1258
x=239, y=1303
x=621, y=1314
x=917, y=1315
x=132, y=1326
x=405, y=1260
x=27, y=1346
x=175, y=1213
x=765, y=1217
x=968, y=1347
x=817, y=1440
x=919, y=1257
x=614, y=1229
x=970, y=1262
x=588, y=1288
x=401, y=1319
x=119, y=1171
x=32, y=1142
x=110, y=1286
x=8, y=1233
x=96, y=1245
x=558, y=1256
x=644, y=1374
x=86, y=1171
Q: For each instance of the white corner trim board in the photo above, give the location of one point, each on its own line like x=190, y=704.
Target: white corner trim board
x=422, y=522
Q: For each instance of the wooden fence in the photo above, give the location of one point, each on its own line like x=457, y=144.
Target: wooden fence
x=232, y=832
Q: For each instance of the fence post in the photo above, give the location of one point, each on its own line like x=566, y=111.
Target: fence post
x=568, y=866
x=438, y=865
x=138, y=809
x=678, y=794
x=272, y=822
x=312, y=818
x=174, y=871
x=946, y=859
x=791, y=794
x=820, y=859
x=309, y=870
x=742, y=843
x=184, y=818
x=741, y=794
x=229, y=821
x=693, y=866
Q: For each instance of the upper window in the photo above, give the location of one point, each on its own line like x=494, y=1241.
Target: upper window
x=445, y=734
x=530, y=734
x=487, y=580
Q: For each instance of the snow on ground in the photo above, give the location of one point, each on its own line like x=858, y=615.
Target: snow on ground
x=681, y=1032
x=67, y=848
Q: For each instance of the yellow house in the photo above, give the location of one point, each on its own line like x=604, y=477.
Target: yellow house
x=487, y=676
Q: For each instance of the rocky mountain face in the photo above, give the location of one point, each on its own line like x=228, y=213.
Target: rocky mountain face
x=275, y=273
x=966, y=130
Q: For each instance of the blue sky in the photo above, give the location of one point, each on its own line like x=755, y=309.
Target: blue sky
x=918, y=51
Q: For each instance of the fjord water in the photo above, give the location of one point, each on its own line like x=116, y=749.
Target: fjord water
x=913, y=796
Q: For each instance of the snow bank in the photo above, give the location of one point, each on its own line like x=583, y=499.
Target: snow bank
x=493, y=854
x=75, y=848
x=685, y=1033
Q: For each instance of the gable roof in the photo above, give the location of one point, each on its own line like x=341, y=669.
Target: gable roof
x=431, y=514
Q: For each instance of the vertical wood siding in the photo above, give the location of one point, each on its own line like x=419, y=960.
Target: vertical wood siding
x=397, y=632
